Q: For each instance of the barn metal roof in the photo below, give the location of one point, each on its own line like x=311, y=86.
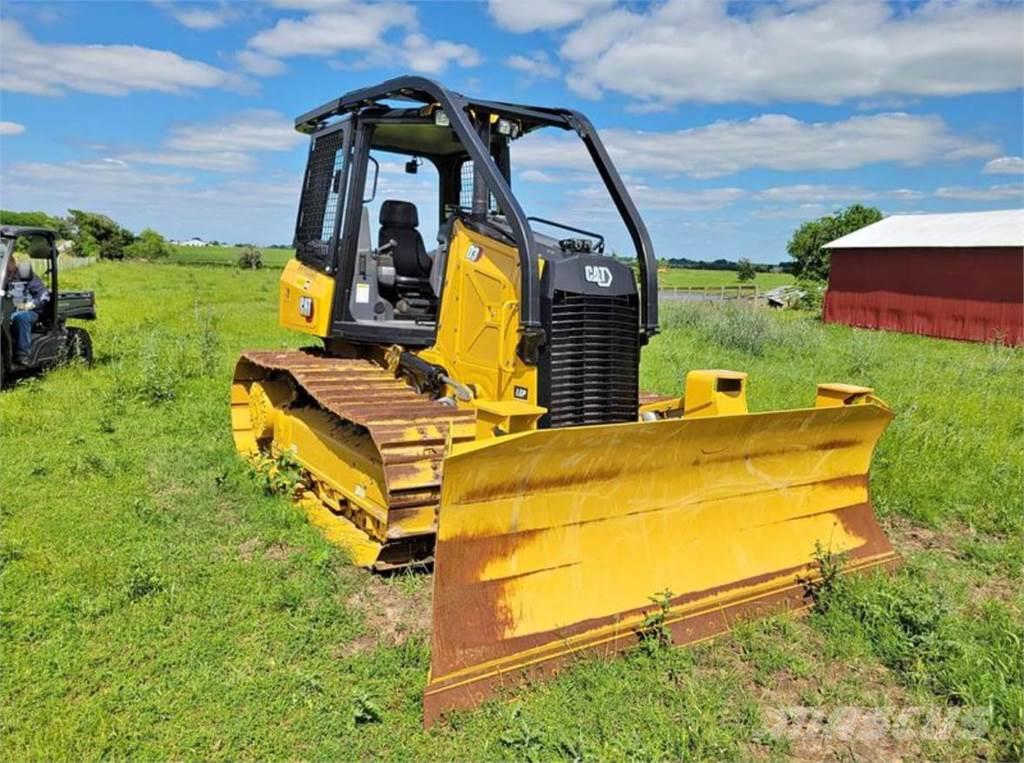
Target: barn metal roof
x=963, y=229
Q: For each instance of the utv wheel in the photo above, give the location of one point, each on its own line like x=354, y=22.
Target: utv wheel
x=79, y=346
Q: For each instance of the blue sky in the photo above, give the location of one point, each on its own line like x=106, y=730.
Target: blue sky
x=731, y=122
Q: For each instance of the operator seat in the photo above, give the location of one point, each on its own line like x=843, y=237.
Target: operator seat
x=398, y=221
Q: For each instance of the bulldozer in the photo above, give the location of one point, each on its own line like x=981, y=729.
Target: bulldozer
x=475, y=408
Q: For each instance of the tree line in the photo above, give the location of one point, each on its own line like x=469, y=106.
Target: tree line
x=94, y=235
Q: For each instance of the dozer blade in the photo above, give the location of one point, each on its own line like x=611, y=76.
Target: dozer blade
x=552, y=542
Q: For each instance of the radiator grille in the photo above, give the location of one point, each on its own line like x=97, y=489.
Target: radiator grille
x=593, y=359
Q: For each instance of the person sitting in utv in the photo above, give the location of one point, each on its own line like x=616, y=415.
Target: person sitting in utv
x=29, y=296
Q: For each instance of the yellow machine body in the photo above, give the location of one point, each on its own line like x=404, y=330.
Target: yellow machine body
x=548, y=540
x=305, y=299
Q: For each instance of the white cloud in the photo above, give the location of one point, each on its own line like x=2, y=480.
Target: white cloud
x=770, y=141
x=808, y=195
x=353, y=26
x=530, y=15
x=803, y=192
x=260, y=207
x=800, y=212
x=253, y=130
x=356, y=28
x=905, y=194
x=433, y=56
x=202, y=18
x=11, y=128
x=1001, y=192
x=98, y=173
x=310, y=5
x=537, y=65
x=824, y=51
x=259, y=64
x=1005, y=165
x=28, y=66
x=537, y=176
x=222, y=146
x=216, y=161
x=653, y=197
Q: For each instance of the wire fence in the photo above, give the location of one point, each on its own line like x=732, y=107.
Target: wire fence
x=64, y=262
x=732, y=293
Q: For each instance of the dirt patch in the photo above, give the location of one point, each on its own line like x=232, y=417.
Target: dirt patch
x=906, y=536
x=909, y=538
x=392, y=611
x=813, y=712
x=247, y=548
x=280, y=552
x=994, y=587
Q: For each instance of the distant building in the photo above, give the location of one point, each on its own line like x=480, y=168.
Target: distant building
x=959, y=276
x=192, y=242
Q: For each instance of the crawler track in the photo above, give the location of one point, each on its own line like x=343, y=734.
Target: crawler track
x=371, y=446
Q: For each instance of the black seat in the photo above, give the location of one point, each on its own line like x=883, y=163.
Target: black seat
x=398, y=221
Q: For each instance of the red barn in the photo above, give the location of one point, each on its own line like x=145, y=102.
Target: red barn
x=959, y=276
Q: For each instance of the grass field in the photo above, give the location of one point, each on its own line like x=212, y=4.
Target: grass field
x=157, y=602
x=276, y=258
x=225, y=255
x=688, y=277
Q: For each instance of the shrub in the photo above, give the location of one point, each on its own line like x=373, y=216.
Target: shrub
x=730, y=325
x=745, y=270
x=250, y=258
x=150, y=245
x=813, y=296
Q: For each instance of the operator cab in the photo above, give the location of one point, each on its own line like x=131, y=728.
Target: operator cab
x=385, y=185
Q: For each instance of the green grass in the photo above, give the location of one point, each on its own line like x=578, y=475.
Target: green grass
x=225, y=255
x=700, y=278
x=158, y=602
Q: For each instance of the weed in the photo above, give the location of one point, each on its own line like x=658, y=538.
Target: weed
x=654, y=635
x=282, y=474
x=155, y=382
x=735, y=326
x=365, y=709
x=289, y=598
x=824, y=587
x=9, y=552
x=142, y=581
x=966, y=659
x=521, y=738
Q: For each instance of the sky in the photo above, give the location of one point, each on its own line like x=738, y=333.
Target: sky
x=731, y=122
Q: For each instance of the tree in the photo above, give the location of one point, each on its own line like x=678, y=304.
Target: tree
x=745, y=270
x=805, y=246
x=35, y=220
x=97, y=234
x=250, y=257
x=149, y=245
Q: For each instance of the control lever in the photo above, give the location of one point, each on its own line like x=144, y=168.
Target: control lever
x=386, y=248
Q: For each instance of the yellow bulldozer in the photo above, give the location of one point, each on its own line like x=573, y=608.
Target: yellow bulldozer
x=475, y=407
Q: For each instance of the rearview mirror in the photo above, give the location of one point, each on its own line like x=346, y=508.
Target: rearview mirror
x=413, y=166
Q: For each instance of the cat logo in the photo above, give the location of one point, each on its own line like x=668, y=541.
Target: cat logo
x=598, y=274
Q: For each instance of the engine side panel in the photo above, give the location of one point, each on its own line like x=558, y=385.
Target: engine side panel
x=478, y=322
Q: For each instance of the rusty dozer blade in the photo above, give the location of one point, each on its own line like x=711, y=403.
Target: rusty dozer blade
x=552, y=542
